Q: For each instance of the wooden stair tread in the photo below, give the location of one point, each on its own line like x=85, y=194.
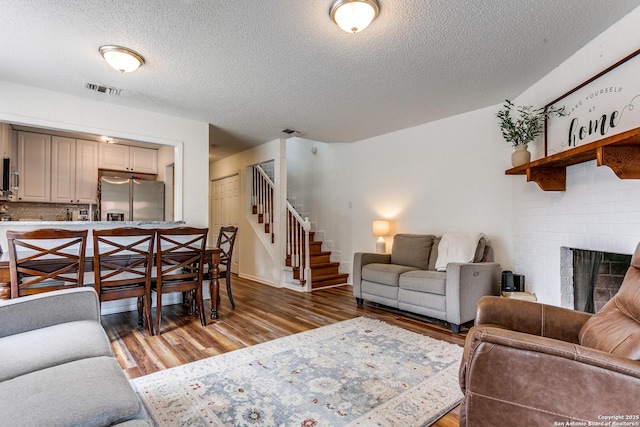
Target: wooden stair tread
x=324, y=264
x=330, y=280
x=319, y=278
x=315, y=255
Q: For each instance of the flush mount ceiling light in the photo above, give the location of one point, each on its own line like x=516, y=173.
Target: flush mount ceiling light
x=354, y=16
x=121, y=58
x=108, y=139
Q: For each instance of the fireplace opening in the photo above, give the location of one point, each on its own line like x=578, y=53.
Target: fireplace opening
x=589, y=279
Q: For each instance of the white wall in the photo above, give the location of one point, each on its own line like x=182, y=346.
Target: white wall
x=434, y=178
x=36, y=107
x=598, y=211
x=165, y=158
x=449, y=176
x=257, y=259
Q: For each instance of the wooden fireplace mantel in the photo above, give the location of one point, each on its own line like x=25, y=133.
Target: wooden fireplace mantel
x=620, y=152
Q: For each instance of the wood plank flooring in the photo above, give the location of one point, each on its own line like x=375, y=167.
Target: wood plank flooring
x=262, y=313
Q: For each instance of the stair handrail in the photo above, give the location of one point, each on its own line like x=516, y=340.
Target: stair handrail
x=297, y=245
x=264, y=175
x=263, y=186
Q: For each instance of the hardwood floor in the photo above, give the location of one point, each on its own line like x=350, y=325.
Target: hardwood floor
x=262, y=313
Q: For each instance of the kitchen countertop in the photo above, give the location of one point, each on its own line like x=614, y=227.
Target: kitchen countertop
x=89, y=223
x=77, y=225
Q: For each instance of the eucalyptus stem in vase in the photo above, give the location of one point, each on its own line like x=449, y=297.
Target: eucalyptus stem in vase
x=524, y=128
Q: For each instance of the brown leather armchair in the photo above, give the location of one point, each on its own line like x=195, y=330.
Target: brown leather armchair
x=532, y=364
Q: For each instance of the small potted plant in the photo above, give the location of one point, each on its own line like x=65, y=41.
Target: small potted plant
x=525, y=128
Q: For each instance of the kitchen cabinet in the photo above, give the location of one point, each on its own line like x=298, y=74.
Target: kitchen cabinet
x=5, y=140
x=63, y=176
x=114, y=156
x=34, y=167
x=128, y=158
x=7, y=159
x=74, y=170
x=86, y=171
x=143, y=160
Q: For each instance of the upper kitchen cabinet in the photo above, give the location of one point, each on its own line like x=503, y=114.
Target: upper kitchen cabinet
x=74, y=170
x=143, y=160
x=113, y=156
x=34, y=167
x=128, y=158
x=86, y=171
x=7, y=160
x=5, y=140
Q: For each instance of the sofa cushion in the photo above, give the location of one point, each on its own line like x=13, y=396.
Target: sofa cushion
x=381, y=294
x=433, y=255
x=424, y=303
x=87, y=392
x=616, y=328
x=614, y=333
x=412, y=250
x=424, y=281
x=387, y=274
x=136, y=423
x=52, y=308
x=54, y=345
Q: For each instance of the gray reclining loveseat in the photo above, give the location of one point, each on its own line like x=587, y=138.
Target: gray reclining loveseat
x=407, y=279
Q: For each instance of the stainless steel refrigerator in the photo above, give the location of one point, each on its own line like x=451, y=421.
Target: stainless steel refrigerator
x=123, y=199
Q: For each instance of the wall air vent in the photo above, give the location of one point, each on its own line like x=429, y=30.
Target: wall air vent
x=102, y=89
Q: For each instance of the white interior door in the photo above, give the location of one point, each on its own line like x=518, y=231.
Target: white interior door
x=225, y=210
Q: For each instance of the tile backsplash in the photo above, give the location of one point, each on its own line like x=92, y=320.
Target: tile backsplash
x=17, y=211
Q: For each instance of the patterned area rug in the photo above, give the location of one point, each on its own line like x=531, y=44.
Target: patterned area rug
x=360, y=372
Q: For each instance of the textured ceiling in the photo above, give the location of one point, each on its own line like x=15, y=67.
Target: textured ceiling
x=251, y=68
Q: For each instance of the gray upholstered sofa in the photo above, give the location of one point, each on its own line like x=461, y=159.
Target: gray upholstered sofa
x=57, y=364
x=407, y=279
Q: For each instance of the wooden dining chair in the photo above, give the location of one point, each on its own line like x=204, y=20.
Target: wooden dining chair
x=46, y=260
x=123, y=265
x=226, y=240
x=179, y=267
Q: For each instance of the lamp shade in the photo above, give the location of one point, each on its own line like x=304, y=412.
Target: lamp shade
x=380, y=227
x=121, y=58
x=354, y=16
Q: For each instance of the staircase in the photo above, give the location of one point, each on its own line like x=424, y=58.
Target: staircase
x=262, y=200
x=264, y=220
x=324, y=272
x=300, y=240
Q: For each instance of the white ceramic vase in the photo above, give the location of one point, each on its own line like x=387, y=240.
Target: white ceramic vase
x=521, y=155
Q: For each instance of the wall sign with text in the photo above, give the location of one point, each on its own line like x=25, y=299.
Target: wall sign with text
x=605, y=105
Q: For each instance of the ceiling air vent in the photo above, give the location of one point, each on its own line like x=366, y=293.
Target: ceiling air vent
x=290, y=132
x=102, y=89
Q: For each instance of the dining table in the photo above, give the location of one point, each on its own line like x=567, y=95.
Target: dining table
x=212, y=258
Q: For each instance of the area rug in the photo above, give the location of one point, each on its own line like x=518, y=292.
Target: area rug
x=359, y=372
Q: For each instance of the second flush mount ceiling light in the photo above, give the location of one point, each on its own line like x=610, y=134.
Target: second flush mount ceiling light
x=354, y=16
x=121, y=58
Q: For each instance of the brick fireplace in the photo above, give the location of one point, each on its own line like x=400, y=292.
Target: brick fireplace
x=610, y=269
x=598, y=211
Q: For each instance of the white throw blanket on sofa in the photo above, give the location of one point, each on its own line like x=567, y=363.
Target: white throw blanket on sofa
x=457, y=247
